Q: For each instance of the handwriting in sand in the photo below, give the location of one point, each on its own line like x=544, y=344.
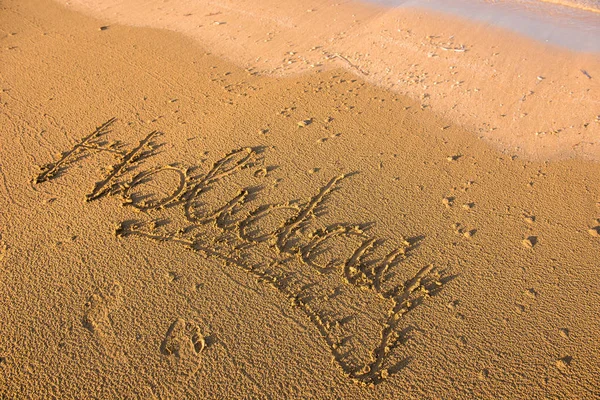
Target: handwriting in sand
x=330, y=273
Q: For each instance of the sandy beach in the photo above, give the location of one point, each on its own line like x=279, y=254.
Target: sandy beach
x=284, y=200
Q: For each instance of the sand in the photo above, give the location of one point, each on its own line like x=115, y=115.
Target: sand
x=174, y=225
x=588, y=5
x=539, y=102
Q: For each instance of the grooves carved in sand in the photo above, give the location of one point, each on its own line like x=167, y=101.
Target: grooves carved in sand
x=330, y=274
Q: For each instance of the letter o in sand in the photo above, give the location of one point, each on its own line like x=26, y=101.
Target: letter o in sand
x=319, y=243
x=155, y=188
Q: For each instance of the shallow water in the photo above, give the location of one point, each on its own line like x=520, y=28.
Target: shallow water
x=574, y=24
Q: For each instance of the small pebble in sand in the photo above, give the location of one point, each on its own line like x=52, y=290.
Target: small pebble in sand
x=564, y=333
x=103, y=28
x=530, y=242
x=469, y=234
x=594, y=232
x=519, y=308
x=483, y=374
x=564, y=363
x=304, y=123
x=531, y=293
x=451, y=305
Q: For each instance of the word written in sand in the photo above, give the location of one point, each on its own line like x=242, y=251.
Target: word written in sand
x=355, y=289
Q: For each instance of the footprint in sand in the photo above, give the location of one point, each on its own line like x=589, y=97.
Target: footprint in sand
x=96, y=319
x=99, y=306
x=184, y=341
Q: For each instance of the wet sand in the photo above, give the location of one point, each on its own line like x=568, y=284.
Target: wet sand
x=588, y=5
x=176, y=226
x=553, y=24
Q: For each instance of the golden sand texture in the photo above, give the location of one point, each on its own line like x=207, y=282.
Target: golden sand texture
x=174, y=226
x=525, y=98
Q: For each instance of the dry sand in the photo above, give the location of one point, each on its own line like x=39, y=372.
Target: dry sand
x=198, y=230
